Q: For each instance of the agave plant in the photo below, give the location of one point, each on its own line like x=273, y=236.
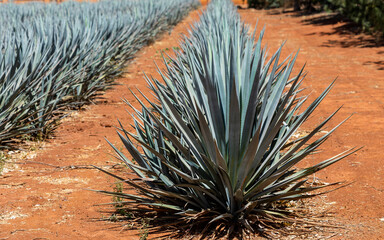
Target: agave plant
x=60, y=56
x=215, y=147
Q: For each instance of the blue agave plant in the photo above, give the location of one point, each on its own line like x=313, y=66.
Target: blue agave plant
x=216, y=147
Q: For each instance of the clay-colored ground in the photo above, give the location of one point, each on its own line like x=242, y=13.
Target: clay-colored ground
x=331, y=50
x=43, y=202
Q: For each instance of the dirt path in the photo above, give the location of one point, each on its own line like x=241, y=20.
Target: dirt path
x=330, y=51
x=43, y=202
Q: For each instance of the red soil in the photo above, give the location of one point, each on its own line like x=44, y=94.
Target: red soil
x=43, y=202
x=331, y=51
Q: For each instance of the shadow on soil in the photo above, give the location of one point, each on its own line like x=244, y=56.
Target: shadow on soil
x=380, y=64
x=350, y=33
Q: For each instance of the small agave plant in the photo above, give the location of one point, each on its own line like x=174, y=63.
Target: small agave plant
x=216, y=147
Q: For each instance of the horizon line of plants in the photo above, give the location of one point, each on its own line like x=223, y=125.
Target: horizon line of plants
x=56, y=57
x=215, y=146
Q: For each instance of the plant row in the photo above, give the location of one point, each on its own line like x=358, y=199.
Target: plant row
x=216, y=146
x=55, y=57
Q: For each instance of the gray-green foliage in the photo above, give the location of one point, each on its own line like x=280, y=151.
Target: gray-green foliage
x=216, y=144
x=55, y=56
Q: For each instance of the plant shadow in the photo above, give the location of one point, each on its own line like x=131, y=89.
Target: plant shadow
x=379, y=64
x=350, y=34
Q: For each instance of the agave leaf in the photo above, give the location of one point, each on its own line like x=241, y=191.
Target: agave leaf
x=210, y=142
x=220, y=129
x=206, y=191
x=221, y=217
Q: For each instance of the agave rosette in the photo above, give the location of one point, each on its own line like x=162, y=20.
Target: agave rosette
x=216, y=146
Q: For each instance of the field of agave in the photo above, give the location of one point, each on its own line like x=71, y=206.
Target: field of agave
x=216, y=148
x=55, y=57
x=224, y=137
